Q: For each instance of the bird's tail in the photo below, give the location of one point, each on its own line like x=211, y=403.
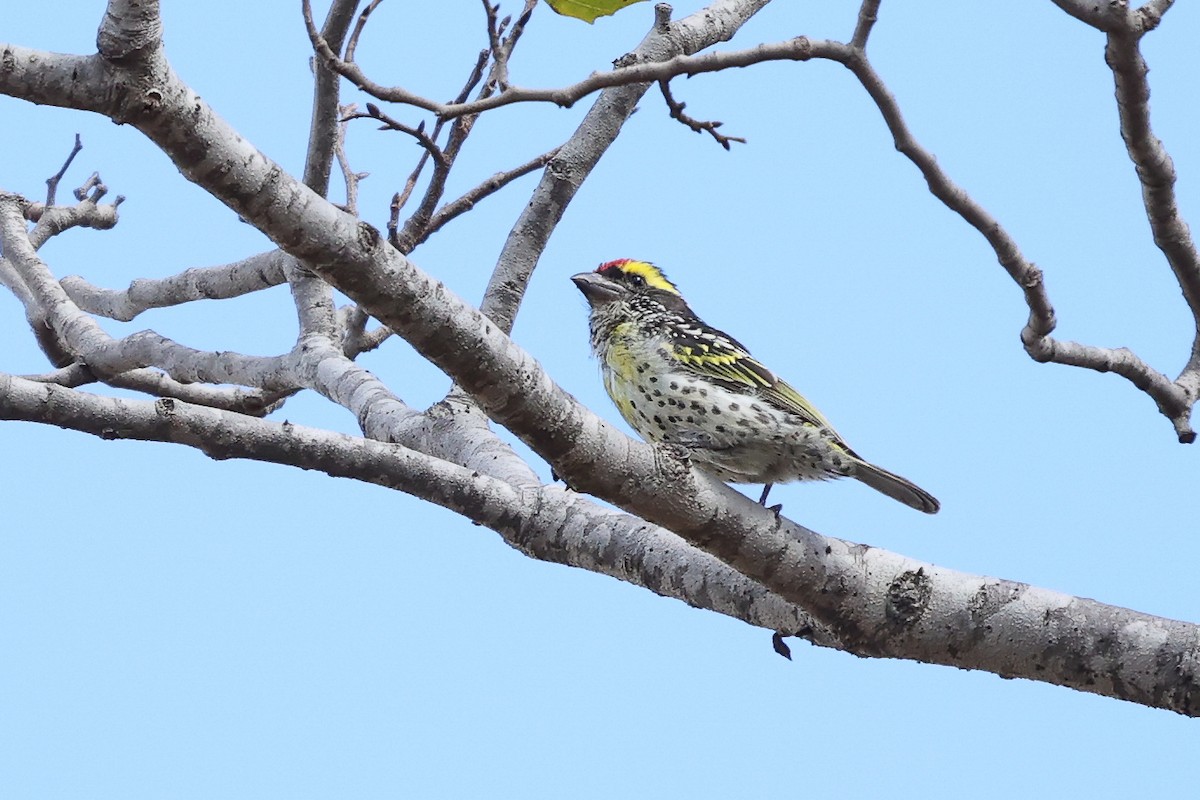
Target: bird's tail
x=896, y=487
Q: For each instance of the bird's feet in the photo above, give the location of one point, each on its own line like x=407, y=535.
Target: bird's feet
x=762, y=501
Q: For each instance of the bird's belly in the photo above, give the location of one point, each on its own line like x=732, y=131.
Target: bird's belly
x=734, y=436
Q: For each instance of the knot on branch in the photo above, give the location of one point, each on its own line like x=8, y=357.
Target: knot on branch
x=908, y=598
x=627, y=60
x=165, y=407
x=672, y=461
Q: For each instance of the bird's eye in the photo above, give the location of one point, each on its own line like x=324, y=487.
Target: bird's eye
x=637, y=280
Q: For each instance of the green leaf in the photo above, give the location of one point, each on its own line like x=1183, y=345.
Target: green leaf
x=589, y=10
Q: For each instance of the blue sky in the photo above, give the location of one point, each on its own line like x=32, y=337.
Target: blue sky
x=178, y=627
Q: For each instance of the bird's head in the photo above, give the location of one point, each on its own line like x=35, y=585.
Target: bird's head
x=622, y=279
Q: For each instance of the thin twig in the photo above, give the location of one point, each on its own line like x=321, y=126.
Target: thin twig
x=415, y=227
x=52, y=181
x=797, y=49
x=352, y=45
x=376, y=113
x=493, y=184
x=395, y=237
x=350, y=177
x=676, y=109
x=92, y=189
x=502, y=46
x=495, y=31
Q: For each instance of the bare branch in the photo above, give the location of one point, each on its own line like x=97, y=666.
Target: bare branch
x=130, y=33
x=87, y=213
x=1148, y=17
x=71, y=376
x=356, y=339
x=676, y=109
x=243, y=277
x=411, y=232
x=418, y=133
x=495, y=30
x=65, y=330
x=252, y=402
x=229, y=398
x=501, y=46
x=52, y=181
x=490, y=186
x=792, y=50
x=359, y=26
x=868, y=15
x=349, y=176
x=796, y=49
x=415, y=228
x=1169, y=396
x=323, y=130
x=1155, y=170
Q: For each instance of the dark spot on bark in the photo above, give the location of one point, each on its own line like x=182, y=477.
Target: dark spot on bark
x=368, y=236
x=908, y=597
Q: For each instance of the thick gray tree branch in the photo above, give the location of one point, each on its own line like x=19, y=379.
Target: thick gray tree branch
x=548, y=523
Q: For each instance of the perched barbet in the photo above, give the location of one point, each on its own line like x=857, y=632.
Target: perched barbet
x=677, y=380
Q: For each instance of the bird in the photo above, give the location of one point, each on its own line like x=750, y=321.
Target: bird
x=677, y=380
